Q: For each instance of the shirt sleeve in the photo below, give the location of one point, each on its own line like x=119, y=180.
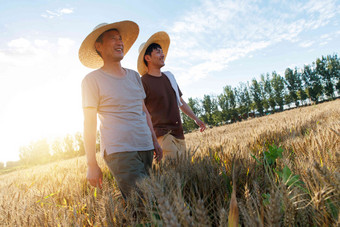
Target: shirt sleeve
x=145, y=86
x=179, y=91
x=141, y=84
x=90, y=92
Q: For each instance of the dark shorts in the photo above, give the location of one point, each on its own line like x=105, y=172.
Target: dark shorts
x=129, y=167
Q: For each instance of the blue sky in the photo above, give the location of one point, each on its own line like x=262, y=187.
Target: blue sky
x=213, y=44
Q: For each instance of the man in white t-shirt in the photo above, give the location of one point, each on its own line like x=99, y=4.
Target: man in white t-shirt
x=116, y=95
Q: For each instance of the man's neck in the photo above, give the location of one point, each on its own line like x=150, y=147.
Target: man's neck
x=155, y=72
x=113, y=68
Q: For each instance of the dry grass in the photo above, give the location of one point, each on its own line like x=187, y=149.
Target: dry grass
x=195, y=190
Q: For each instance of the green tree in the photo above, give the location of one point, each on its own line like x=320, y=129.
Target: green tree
x=313, y=84
x=292, y=85
x=264, y=95
x=288, y=99
x=216, y=113
x=301, y=93
x=207, y=108
x=333, y=68
x=256, y=94
x=244, y=99
x=269, y=92
x=11, y=164
x=57, y=149
x=69, y=146
x=324, y=74
x=224, y=105
x=210, y=107
x=247, y=98
x=217, y=116
x=188, y=123
x=35, y=153
x=278, y=85
x=230, y=95
x=79, y=143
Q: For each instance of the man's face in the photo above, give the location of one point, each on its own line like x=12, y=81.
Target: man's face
x=156, y=58
x=112, y=47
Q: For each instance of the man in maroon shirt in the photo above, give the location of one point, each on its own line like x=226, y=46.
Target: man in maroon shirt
x=163, y=96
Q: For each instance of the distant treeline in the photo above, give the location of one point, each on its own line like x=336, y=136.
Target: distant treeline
x=273, y=93
x=42, y=151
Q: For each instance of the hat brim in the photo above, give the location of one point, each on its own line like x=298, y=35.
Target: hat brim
x=162, y=39
x=88, y=56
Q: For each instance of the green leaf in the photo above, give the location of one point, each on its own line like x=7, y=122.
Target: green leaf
x=273, y=153
x=253, y=156
x=286, y=172
x=266, y=199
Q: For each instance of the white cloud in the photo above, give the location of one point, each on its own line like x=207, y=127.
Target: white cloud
x=306, y=44
x=330, y=36
x=236, y=29
x=20, y=45
x=35, y=57
x=40, y=43
x=65, y=45
x=66, y=11
x=325, y=36
x=51, y=14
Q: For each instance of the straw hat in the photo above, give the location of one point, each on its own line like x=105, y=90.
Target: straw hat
x=88, y=56
x=161, y=38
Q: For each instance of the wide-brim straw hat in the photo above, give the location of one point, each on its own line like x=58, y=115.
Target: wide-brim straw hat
x=88, y=56
x=162, y=39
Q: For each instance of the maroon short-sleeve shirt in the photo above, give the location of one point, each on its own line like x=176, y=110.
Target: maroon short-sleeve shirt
x=162, y=105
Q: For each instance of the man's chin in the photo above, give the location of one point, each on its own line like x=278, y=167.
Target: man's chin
x=119, y=58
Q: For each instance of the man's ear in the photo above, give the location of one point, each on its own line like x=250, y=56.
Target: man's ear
x=147, y=58
x=97, y=46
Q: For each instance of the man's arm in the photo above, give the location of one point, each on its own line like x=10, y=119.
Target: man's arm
x=158, y=149
x=94, y=173
x=187, y=110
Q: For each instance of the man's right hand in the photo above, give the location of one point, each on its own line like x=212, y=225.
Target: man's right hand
x=95, y=175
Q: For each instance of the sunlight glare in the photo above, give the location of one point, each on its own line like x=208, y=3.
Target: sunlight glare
x=46, y=111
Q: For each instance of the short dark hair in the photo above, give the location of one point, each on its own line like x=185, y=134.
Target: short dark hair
x=151, y=47
x=100, y=38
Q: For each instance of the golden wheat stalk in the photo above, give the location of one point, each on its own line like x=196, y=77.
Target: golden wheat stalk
x=233, y=217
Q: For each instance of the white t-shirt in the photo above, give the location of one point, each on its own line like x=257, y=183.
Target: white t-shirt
x=118, y=100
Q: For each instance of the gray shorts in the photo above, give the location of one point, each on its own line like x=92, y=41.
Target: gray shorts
x=129, y=167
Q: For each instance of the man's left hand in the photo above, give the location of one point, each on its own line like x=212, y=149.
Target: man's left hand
x=158, y=151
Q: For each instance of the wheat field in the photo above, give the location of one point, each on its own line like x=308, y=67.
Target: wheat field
x=282, y=168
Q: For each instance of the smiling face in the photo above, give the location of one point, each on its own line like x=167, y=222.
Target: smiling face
x=110, y=46
x=156, y=58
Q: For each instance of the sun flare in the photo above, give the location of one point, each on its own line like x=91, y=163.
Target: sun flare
x=48, y=111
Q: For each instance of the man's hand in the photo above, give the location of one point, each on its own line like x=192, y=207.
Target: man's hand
x=200, y=124
x=158, y=151
x=95, y=175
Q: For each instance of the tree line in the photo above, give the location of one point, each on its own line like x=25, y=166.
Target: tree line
x=271, y=93
x=42, y=151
